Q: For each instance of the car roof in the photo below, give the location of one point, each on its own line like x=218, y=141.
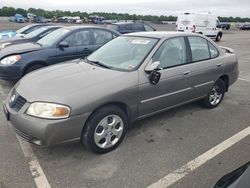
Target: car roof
x=72, y=28
x=123, y=23
x=53, y=26
x=83, y=26
x=161, y=34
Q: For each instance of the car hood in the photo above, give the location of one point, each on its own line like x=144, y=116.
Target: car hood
x=64, y=82
x=19, y=49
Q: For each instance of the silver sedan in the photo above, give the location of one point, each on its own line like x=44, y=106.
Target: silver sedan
x=132, y=77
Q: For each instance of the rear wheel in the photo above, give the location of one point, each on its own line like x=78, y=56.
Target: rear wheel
x=105, y=129
x=215, y=95
x=33, y=67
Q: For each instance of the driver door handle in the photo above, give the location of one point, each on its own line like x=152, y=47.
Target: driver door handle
x=186, y=73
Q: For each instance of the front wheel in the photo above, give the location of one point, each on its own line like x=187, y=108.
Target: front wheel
x=105, y=129
x=215, y=95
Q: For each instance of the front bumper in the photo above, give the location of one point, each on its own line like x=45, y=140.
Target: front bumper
x=11, y=72
x=42, y=131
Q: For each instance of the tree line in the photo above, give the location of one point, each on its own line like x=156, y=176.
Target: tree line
x=10, y=11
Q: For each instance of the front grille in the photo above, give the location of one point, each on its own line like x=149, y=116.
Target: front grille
x=16, y=101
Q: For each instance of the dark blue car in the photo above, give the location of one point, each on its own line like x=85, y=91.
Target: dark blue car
x=61, y=45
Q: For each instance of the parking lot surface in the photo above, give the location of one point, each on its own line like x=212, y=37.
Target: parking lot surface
x=152, y=149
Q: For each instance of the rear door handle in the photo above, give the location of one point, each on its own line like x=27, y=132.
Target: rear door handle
x=219, y=65
x=186, y=73
x=86, y=50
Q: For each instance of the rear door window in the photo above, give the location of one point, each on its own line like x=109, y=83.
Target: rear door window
x=148, y=28
x=102, y=36
x=213, y=51
x=199, y=48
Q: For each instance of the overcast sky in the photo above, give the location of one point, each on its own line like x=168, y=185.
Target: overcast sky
x=234, y=8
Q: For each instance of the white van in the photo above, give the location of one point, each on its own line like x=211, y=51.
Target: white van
x=204, y=23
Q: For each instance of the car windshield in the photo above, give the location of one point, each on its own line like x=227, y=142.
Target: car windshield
x=23, y=29
x=35, y=33
x=53, y=37
x=123, y=53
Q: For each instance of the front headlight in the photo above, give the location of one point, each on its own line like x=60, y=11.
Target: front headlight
x=10, y=60
x=4, y=45
x=48, y=110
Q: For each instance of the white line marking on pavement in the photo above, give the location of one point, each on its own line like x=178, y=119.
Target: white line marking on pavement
x=244, y=79
x=34, y=166
x=180, y=173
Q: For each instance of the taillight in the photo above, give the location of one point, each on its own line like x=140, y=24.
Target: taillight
x=194, y=29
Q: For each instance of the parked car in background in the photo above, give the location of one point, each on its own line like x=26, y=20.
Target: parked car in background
x=203, y=23
x=245, y=27
x=30, y=37
x=224, y=25
x=61, y=45
x=7, y=34
x=41, y=19
x=238, y=178
x=130, y=27
x=29, y=28
x=129, y=78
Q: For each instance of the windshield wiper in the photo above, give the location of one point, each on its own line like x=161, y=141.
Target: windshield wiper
x=97, y=63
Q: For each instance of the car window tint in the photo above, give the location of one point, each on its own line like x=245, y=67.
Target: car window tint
x=148, y=28
x=114, y=35
x=46, y=33
x=83, y=38
x=102, y=36
x=137, y=27
x=71, y=39
x=79, y=38
x=171, y=53
x=31, y=29
x=213, y=51
x=199, y=48
x=128, y=27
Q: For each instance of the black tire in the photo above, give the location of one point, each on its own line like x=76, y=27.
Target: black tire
x=88, y=135
x=218, y=37
x=220, y=86
x=33, y=67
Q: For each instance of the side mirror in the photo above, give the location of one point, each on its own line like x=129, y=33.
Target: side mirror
x=63, y=44
x=153, y=69
x=152, y=66
x=155, y=77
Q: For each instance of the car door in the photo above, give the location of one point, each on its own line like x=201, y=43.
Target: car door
x=84, y=43
x=206, y=65
x=100, y=37
x=174, y=85
x=70, y=52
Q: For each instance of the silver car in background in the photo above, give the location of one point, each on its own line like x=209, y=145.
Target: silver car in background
x=131, y=77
